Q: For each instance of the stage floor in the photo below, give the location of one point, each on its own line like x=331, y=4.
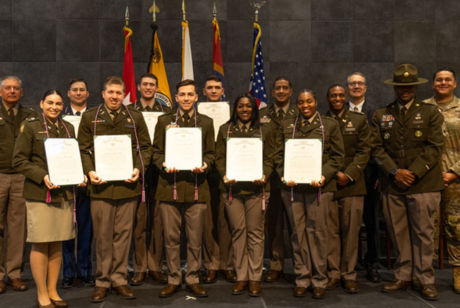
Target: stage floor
x=273, y=295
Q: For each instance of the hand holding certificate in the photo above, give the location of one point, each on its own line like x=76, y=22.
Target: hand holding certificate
x=244, y=159
x=183, y=149
x=219, y=112
x=303, y=162
x=113, y=159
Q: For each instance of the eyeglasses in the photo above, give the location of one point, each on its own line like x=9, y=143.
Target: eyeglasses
x=357, y=83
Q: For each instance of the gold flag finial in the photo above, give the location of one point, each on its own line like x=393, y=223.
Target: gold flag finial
x=257, y=6
x=127, y=15
x=214, y=12
x=183, y=10
x=154, y=10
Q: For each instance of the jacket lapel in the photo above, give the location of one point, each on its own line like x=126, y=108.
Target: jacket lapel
x=103, y=114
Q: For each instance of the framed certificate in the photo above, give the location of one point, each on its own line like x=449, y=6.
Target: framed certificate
x=64, y=161
x=113, y=157
x=244, y=159
x=151, y=119
x=74, y=120
x=303, y=160
x=183, y=148
x=219, y=112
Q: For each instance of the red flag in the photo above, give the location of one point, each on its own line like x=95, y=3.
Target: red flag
x=128, y=70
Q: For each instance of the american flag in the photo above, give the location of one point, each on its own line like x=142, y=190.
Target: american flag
x=257, y=84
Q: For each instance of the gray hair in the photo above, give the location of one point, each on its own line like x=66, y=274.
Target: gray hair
x=359, y=74
x=11, y=78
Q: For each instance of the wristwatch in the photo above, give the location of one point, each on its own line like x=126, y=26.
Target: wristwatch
x=394, y=171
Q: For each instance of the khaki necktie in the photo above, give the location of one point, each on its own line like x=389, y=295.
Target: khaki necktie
x=244, y=129
x=305, y=123
x=403, y=112
x=113, y=115
x=148, y=108
x=11, y=114
x=186, y=118
x=57, y=126
x=280, y=115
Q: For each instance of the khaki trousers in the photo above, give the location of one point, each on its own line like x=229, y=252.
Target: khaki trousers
x=13, y=215
x=171, y=215
x=140, y=238
x=275, y=227
x=113, y=226
x=247, y=221
x=308, y=219
x=156, y=247
x=410, y=222
x=344, y=222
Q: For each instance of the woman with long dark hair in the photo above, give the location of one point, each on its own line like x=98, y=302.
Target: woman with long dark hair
x=245, y=202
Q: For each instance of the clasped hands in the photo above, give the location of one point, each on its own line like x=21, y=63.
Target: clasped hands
x=196, y=170
x=313, y=183
x=259, y=182
x=51, y=186
x=404, y=178
x=96, y=180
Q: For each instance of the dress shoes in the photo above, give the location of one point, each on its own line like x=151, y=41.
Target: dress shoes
x=18, y=284
x=138, y=279
x=169, y=290
x=67, y=282
x=230, y=276
x=197, y=290
x=99, y=294
x=59, y=304
x=158, y=277
x=211, y=276
x=300, y=292
x=124, y=292
x=396, y=286
x=332, y=283
x=273, y=276
x=41, y=306
x=87, y=280
x=429, y=292
x=254, y=288
x=350, y=286
x=318, y=293
x=239, y=287
x=2, y=287
x=373, y=275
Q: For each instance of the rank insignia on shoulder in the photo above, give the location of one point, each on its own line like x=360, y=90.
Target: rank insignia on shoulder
x=386, y=136
x=172, y=125
x=265, y=119
x=387, y=118
x=98, y=121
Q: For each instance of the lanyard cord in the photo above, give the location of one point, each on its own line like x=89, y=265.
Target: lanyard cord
x=48, y=194
x=230, y=197
x=196, y=175
x=322, y=150
x=137, y=145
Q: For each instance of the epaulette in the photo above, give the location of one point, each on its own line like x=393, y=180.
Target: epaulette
x=358, y=112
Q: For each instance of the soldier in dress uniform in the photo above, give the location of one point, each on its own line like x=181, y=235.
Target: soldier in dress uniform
x=273, y=115
x=407, y=143
x=444, y=84
x=184, y=191
x=346, y=209
x=113, y=204
x=152, y=258
x=12, y=204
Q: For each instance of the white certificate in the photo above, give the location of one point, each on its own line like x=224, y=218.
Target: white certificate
x=218, y=112
x=151, y=119
x=302, y=160
x=183, y=148
x=74, y=120
x=244, y=159
x=64, y=161
x=113, y=157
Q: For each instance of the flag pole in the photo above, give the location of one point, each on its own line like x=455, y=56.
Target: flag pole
x=183, y=11
x=214, y=12
x=154, y=12
x=257, y=6
x=127, y=16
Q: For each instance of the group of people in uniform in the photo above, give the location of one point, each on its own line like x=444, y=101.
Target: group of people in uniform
x=404, y=157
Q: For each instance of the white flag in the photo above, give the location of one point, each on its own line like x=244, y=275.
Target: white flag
x=187, y=63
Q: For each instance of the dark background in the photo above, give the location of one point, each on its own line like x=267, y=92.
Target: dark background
x=312, y=42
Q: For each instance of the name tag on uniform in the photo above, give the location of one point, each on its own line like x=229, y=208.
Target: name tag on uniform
x=351, y=129
x=129, y=125
x=417, y=122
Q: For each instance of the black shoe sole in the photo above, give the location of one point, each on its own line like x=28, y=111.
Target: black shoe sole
x=123, y=297
x=351, y=292
x=318, y=297
x=136, y=284
x=99, y=300
x=430, y=298
x=396, y=291
x=300, y=295
x=254, y=295
x=335, y=286
x=238, y=293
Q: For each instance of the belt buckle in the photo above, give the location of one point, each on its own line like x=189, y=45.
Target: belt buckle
x=401, y=153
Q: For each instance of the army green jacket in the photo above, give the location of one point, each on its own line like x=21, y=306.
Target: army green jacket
x=30, y=159
x=415, y=144
x=269, y=152
x=185, y=180
x=269, y=117
x=123, y=125
x=333, y=154
x=9, y=131
x=157, y=107
x=356, y=135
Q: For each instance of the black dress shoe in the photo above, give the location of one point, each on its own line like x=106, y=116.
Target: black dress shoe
x=87, y=280
x=67, y=282
x=373, y=275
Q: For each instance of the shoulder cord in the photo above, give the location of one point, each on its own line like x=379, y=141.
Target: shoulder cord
x=137, y=145
x=48, y=194
x=263, y=186
x=196, y=175
x=322, y=150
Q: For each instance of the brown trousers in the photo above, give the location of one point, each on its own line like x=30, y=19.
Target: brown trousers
x=113, y=227
x=153, y=257
x=247, y=221
x=171, y=215
x=344, y=222
x=308, y=219
x=275, y=227
x=13, y=215
x=410, y=221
